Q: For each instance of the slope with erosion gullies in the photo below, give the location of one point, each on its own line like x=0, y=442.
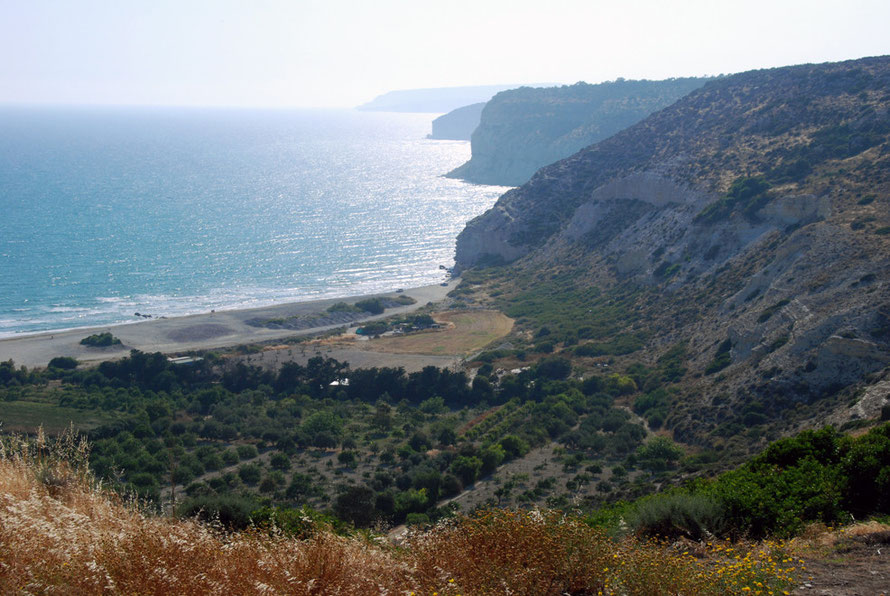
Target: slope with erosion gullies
x=524, y=129
x=749, y=222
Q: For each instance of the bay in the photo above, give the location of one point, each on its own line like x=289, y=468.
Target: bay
x=105, y=212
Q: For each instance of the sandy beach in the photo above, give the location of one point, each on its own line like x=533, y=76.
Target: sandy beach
x=194, y=332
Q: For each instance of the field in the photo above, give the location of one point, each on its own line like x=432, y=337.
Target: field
x=26, y=416
x=465, y=332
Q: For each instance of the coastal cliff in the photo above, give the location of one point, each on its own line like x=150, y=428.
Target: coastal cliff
x=749, y=222
x=459, y=124
x=523, y=129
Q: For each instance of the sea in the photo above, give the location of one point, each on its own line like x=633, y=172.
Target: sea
x=108, y=212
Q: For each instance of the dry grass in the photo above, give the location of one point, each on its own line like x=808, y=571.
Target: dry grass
x=70, y=537
x=60, y=533
x=465, y=332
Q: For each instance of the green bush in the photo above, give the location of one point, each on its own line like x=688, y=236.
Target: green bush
x=250, y=473
x=63, y=362
x=554, y=367
x=302, y=523
x=246, y=452
x=417, y=519
x=658, y=454
x=371, y=305
x=674, y=515
x=343, y=307
x=722, y=358
x=232, y=512
x=374, y=328
x=100, y=340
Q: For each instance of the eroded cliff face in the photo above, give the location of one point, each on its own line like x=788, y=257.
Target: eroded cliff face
x=459, y=124
x=524, y=129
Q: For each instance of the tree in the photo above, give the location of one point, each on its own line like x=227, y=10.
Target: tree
x=492, y=456
x=347, y=458
x=356, y=504
x=466, y=468
x=514, y=446
x=383, y=416
x=554, y=367
x=658, y=454
x=280, y=461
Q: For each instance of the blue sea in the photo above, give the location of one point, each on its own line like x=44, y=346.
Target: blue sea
x=107, y=212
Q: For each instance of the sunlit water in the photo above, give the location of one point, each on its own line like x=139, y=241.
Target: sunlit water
x=104, y=213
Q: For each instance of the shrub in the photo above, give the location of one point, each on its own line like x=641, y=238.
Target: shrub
x=100, y=340
x=659, y=454
x=232, y=512
x=674, y=515
x=371, y=305
x=554, y=367
x=722, y=358
x=250, y=473
x=417, y=519
x=745, y=195
x=280, y=461
x=374, y=328
x=466, y=468
x=246, y=452
x=514, y=446
x=347, y=458
x=63, y=362
x=342, y=307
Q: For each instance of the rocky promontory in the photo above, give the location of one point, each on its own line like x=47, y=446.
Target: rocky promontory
x=522, y=130
x=459, y=124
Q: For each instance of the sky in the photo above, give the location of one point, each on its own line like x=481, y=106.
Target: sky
x=341, y=53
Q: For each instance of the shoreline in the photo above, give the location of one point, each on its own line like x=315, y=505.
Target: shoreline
x=203, y=331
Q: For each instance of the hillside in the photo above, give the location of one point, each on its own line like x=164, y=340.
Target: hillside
x=61, y=532
x=524, y=129
x=747, y=226
x=458, y=124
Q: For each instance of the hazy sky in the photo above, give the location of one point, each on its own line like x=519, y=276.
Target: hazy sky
x=345, y=52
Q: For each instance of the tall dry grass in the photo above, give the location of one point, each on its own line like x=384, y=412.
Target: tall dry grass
x=61, y=533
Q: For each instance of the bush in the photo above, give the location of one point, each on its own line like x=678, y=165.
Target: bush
x=230, y=457
x=674, y=515
x=250, y=473
x=246, y=452
x=347, y=458
x=722, y=358
x=658, y=454
x=554, y=367
x=232, y=512
x=417, y=519
x=280, y=461
x=342, y=307
x=373, y=328
x=63, y=362
x=371, y=305
x=100, y=340
x=466, y=468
